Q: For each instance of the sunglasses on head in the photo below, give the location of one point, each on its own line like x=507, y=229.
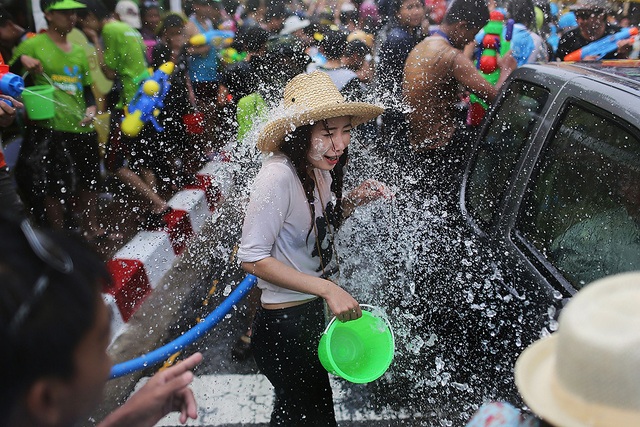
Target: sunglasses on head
x=591, y=13
x=54, y=258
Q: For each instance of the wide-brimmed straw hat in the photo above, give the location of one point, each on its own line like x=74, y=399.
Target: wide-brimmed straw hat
x=588, y=373
x=310, y=98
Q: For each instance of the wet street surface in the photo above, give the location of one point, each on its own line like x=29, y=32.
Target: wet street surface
x=230, y=392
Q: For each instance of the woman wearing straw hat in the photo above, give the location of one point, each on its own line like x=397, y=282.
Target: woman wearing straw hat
x=287, y=242
x=587, y=374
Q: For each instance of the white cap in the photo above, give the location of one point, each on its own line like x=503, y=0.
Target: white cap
x=129, y=13
x=293, y=23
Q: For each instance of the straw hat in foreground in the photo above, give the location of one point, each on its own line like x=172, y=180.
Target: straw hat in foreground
x=310, y=98
x=588, y=373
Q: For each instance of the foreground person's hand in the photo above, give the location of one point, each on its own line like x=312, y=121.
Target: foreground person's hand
x=167, y=391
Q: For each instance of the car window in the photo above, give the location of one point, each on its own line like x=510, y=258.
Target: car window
x=498, y=151
x=582, y=208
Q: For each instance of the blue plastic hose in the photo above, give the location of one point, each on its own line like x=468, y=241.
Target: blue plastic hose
x=188, y=337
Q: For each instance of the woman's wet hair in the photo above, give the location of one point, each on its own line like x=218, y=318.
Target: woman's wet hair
x=43, y=341
x=296, y=147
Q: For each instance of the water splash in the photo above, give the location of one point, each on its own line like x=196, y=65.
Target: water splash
x=409, y=255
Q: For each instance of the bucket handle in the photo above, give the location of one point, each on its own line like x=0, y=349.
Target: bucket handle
x=44, y=75
x=53, y=86
x=371, y=308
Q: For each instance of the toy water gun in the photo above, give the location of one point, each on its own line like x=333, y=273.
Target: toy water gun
x=218, y=38
x=603, y=46
x=231, y=55
x=10, y=84
x=493, y=44
x=147, y=102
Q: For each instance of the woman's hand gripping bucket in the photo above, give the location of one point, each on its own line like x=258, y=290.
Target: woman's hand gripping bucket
x=38, y=101
x=361, y=350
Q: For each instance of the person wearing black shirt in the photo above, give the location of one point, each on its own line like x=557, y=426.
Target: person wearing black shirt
x=592, y=25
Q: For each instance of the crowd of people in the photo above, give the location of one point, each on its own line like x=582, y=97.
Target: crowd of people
x=419, y=62
x=395, y=73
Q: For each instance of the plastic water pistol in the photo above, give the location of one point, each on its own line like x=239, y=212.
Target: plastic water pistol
x=218, y=38
x=148, y=101
x=10, y=84
x=493, y=44
x=603, y=46
x=230, y=56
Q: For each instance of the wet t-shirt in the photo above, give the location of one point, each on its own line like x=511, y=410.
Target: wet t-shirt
x=278, y=224
x=431, y=91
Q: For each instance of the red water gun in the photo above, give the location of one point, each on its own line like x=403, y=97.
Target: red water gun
x=493, y=44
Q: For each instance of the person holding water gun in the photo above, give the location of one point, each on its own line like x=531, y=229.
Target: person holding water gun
x=204, y=63
x=592, y=26
x=10, y=84
x=434, y=70
x=177, y=151
x=59, y=158
x=122, y=56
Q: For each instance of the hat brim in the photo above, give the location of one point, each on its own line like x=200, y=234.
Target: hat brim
x=534, y=372
x=272, y=135
x=67, y=5
x=535, y=375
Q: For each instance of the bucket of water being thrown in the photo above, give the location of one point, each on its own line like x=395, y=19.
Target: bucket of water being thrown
x=38, y=101
x=361, y=350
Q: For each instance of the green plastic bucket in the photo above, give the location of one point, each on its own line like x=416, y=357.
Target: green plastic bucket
x=38, y=101
x=360, y=351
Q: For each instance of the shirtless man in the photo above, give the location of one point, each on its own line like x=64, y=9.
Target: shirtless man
x=436, y=68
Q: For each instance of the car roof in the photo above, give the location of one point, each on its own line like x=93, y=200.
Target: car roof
x=621, y=72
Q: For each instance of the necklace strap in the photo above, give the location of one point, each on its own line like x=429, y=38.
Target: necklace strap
x=441, y=34
x=331, y=238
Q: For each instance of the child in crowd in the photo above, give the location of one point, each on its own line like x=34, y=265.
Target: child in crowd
x=173, y=152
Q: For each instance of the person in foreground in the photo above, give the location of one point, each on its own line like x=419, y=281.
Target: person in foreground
x=296, y=205
x=55, y=329
x=588, y=372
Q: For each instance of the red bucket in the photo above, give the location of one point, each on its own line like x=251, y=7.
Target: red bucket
x=194, y=123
